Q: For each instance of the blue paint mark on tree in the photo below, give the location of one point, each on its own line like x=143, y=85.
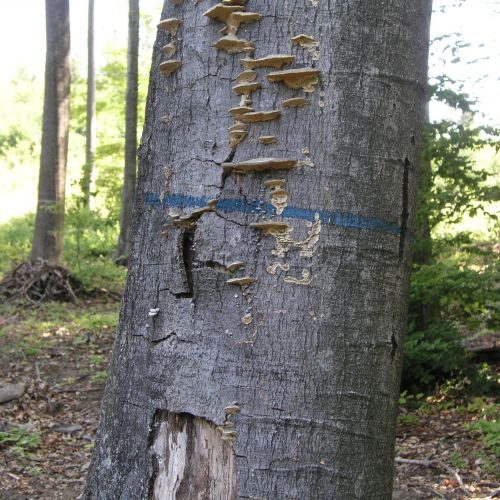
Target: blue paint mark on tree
x=229, y=205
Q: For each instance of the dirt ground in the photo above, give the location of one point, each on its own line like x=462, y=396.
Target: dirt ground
x=46, y=436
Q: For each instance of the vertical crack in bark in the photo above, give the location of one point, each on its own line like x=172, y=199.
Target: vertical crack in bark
x=394, y=346
x=187, y=260
x=404, y=211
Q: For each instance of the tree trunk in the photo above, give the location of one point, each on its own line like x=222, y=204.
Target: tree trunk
x=90, y=129
x=49, y=222
x=129, y=175
x=259, y=347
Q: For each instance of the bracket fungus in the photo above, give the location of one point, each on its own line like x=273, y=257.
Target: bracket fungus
x=260, y=116
x=236, y=136
x=243, y=281
x=295, y=102
x=235, y=19
x=260, y=165
x=171, y=25
x=232, y=409
x=246, y=88
x=246, y=76
x=168, y=67
x=169, y=49
x=272, y=61
x=304, y=78
x=232, y=44
x=222, y=11
x=305, y=41
x=234, y=2
x=268, y=139
x=240, y=110
x=234, y=266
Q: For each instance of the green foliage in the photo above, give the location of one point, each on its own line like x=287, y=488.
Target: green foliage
x=15, y=241
x=458, y=186
x=21, y=439
x=432, y=355
x=487, y=424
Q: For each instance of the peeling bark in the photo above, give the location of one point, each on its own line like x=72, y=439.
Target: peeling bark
x=277, y=314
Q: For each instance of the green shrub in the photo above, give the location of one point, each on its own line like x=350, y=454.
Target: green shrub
x=432, y=356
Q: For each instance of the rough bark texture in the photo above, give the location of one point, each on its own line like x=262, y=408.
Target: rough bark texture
x=88, y=169
x=309, y=350
x=130, y=169
x=47, y=239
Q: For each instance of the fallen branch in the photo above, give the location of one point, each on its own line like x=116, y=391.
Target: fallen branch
x=435, y=463
x=37, y=281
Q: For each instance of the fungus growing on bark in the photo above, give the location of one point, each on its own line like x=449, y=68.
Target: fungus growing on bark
x=238, y=126
x=164, y=119
x=236, y=136
x=295, y=102
x=243, y=281
x=272, y=61
x=247, y=319
x=246, y=88
x=305, y=41
x=274, y=183
x=232, y=409
x=168, y=67
x=171, y=25
x=169, y=49
x=222, y=11
x=260, y=164
x=232, y=44
x=240, y=110
x=153, y=312
x=268, y=139
x=234, y=2
x=234, y=266
x=306, y=278
x=304, y=78
x=246, y=76
x=260, y=116
x=236, y=18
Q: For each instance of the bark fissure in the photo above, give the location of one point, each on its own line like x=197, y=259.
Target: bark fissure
x=404, y=211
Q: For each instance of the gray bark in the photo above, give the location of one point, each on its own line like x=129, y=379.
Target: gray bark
x=130, y=169
x=309, y=350
x=88, y=169
x=49, y=222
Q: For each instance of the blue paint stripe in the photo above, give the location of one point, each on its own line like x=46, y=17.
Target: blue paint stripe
x=229, y=205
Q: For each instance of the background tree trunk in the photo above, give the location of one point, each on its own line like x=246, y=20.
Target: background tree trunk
x=252, y=361
x=129, y=175
x=49, y=222
x=90, y=129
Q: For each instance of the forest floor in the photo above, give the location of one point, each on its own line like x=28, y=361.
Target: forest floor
x=60, y=353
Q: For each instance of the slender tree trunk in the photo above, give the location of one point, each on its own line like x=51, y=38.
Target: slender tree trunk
x=88, y=170
x=259, y=347
x=129, y=176
x=48, y=236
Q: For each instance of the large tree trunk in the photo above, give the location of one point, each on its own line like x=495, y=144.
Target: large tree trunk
x=129, y=174
x=48, y=236
x=88, y=169
x=252, y=361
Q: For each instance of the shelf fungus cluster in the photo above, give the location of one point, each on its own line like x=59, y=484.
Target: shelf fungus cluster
x=232, y=14
x=171, y=25
x=228, y=428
